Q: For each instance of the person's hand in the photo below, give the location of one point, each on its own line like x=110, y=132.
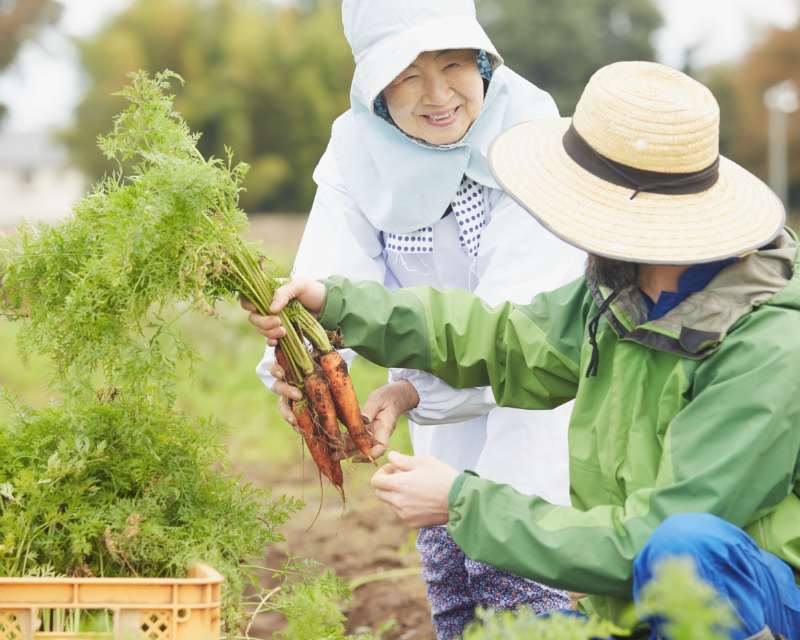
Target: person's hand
x=310, y=293
x=286, y=392
x=416, y=489
x=381, y=412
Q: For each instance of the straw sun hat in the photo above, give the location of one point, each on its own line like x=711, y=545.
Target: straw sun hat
x=636, y=175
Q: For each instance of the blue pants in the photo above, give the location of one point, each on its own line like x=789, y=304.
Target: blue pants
x=759, y=586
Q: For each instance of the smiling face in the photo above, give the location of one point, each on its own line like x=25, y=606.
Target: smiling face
x=438, y=97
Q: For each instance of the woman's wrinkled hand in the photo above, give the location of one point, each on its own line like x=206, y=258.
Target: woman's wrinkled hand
x=416, y=489
x=310, y=293
x=381, y=413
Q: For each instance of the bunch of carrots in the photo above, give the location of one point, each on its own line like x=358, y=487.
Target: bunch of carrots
x=320, y=373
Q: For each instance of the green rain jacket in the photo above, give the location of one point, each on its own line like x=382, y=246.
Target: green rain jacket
x=698, y=411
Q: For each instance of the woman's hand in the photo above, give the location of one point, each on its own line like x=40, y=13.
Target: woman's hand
x=310, y=293
x=382, y=410
x=416, y=489
x=285, y=391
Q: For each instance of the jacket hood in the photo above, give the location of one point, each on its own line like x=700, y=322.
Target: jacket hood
x=698, y=325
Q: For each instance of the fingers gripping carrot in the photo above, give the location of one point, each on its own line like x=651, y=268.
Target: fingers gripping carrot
x=344, y=397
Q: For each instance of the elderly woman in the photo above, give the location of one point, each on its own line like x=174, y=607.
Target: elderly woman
x=406, y=198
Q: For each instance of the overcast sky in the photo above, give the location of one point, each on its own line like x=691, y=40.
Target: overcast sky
x=44, y=85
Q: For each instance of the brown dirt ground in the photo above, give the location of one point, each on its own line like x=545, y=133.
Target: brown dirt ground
x=370, y=540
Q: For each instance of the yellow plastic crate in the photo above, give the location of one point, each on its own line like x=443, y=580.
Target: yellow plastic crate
x=142, y=608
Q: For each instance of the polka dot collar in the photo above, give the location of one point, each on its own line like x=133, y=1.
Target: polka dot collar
x=470, y=212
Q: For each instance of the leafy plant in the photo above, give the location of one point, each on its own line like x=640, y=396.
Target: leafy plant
x=127, y=487
x=524, y=625
x=690, y=607
x=113, y=480
x=313, y=600
x=310, y=598
x=98, y=291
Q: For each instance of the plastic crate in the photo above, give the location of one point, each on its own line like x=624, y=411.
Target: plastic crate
x=142, y=608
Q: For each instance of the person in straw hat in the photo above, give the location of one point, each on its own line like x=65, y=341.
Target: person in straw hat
x=405, y=197
x=681, y=344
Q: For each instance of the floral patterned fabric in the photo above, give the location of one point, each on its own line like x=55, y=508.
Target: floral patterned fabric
x=457, y=585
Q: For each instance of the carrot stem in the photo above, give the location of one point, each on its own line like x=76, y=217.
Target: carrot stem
x=256, y=286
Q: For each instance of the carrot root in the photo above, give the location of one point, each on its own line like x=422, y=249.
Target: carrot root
x=319, y=508
x=324, y=409
x=283, y=361
x=344, y=397
x=316, y=444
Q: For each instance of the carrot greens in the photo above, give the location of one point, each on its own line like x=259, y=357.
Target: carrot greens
x=95, y=289
x=112, y=480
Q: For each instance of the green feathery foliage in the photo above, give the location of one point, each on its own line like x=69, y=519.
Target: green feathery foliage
x=691, y=607
x=113, y=480
x=127, y=487
x=310, y=599
x=524, y=625
x=313, y=601
x=97, y=290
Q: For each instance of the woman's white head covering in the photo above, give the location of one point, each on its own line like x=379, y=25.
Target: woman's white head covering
x=400, y=183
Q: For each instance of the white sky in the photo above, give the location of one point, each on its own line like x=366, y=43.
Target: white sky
x=44, y=85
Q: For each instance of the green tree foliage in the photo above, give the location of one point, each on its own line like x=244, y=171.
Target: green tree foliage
x=775, y=59
x=266, y=82
x=21, y=20
x=739, y=88
x=270, y=83
x=559, y=44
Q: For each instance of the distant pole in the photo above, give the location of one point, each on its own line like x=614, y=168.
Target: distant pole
x=781, y=100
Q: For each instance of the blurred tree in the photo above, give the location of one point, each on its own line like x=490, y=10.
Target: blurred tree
x=268, y=83
x=775, y=59
x=719, y=78
x=21, y=20
x=559, y=44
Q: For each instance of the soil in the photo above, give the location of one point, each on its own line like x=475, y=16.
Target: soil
x=368, y=541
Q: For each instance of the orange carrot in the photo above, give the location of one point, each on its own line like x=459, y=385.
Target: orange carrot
x=316, y=445
x=283, y=361
x=344, y=397
x=324, y=410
